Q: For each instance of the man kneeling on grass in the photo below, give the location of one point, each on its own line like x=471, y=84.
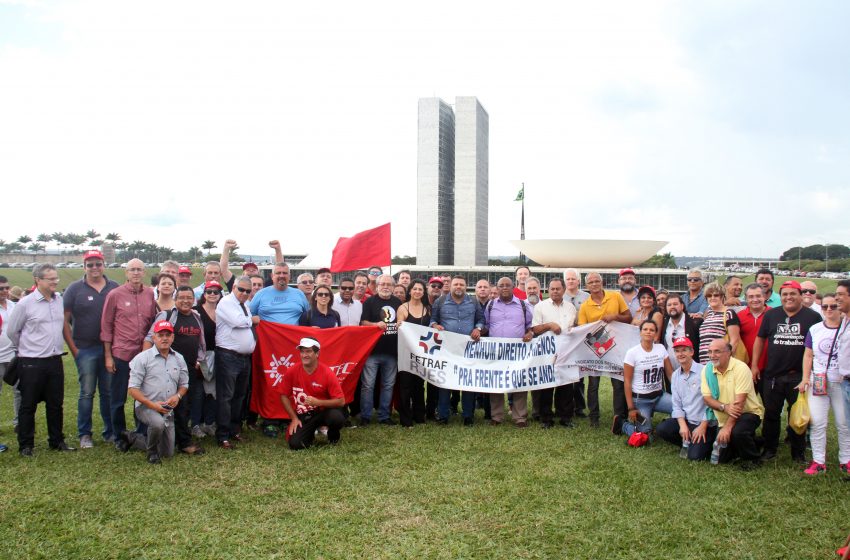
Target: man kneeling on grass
x=312, y=397
x=159, y=379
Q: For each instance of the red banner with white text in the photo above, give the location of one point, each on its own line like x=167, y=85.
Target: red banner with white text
x=344, y=350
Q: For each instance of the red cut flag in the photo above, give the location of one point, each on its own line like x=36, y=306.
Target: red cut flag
x=344, y=350
x=365, y=249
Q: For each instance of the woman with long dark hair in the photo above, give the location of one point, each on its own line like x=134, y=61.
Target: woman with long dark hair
x=321, y=315
x=417, y=310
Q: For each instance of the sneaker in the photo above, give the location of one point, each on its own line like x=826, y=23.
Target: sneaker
x=198, y=432
x=617, y=426
x=3, y=447
x=323, y=430
x=815, y=469
x=86, y=442
x=209, y=429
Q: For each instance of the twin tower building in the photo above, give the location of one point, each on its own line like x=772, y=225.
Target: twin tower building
x=452, y=183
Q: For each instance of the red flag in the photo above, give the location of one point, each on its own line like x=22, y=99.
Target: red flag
x=344, y=350
x=365, y=249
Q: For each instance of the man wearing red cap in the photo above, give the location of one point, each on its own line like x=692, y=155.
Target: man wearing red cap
x=159, y=379
x=312, y=397
x=783, y=334
x=627, y=283
x=83, y=303
x=688, y=425
x=184, y=276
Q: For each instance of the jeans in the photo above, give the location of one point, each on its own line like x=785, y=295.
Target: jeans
x=387, y=366
x=92, y=374
x=668, y=430
x=467, y=399
x=619, y=397
x=41, y=379
x=303, y=437
x=778, y=391
x=202, y=405
x=646, y=407
x=231, y=383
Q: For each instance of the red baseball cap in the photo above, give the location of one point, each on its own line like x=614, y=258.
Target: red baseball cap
x=163, y=326
x=638, y=439
x=624, y=271
x=212, y=284
x=93, y=254
x=184, y=270
x=436, y=280
x=793, y=284
x=646, y=290
x=248, y=265
x=683, y=341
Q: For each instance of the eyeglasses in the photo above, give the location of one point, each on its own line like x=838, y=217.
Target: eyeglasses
x=374, y=273
x=306, y=282
x=347, y=288
x=812, y=292
x=243, y=290
x=436, y=285
x=712, y=295
x=97, y=264
x=694, y=279
x=830, y=306
x=4, y=287
x=213, y=292
x=323, y=294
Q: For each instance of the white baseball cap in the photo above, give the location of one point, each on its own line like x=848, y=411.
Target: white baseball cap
x=309, y=343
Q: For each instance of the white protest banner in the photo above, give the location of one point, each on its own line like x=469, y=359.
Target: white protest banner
x=595, y=349
x=491, y=365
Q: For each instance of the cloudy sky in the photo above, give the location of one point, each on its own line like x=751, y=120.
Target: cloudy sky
x=723, y=127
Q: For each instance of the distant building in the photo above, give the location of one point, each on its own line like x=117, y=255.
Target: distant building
x=452, y=183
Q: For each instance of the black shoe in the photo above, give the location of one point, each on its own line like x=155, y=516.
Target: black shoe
x=193, y=449
x=365, y=421
x=63, y=447
x=566, y=423
x=594, y=422
x=581, y=414
x=547, y=425
x=153, y=459
x=767, y=455
x=617, y=425
x=443, y=421
x=388, y=422
x=468, y=421
x=26, y=452
x=122, y=442
x=799, y=459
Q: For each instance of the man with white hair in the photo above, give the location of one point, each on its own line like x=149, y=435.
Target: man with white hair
x=532, y=291
x=380, y=311
x=810, y=289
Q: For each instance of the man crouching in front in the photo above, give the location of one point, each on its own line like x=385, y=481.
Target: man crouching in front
x=312, y=397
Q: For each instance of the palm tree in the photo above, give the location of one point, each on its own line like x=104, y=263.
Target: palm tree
x=14, y=246
x=193, y=253
x=44, y=237
x=209, y=245
x=3, y=244
x=92, y=234
x=24, y=239
x=36, y=247
x=113, y=237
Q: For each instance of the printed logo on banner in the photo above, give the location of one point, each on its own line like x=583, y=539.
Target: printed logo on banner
x=278, y=368
x=431, y=342
x=600, y=341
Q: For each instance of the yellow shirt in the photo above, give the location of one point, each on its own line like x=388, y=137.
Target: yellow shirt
x=590, y=311
x=736, y=380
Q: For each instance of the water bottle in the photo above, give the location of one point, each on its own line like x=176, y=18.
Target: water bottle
x=715, y=452
x=683, y=452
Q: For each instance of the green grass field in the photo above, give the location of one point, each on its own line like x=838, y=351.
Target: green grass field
x=429, y=492
x=23, y=278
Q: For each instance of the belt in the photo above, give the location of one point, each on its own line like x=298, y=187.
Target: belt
x=233, y=352
x=652, y=395
x=56, y=357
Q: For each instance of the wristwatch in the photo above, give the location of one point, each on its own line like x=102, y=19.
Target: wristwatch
x=722, y=407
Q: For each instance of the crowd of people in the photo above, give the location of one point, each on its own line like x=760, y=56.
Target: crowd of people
x=719, y=360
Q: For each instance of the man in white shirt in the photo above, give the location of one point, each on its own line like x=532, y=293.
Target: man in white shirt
x=234, y=342
x=7, y=349
x=349, y=309
x=555, y=315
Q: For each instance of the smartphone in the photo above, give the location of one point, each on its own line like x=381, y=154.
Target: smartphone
x=167, y=407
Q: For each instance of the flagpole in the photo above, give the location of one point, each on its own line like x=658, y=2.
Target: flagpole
x=522, y=224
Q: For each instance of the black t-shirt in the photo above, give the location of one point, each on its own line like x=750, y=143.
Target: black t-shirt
x=786, y=338
x=376, y=310
x=209, y=327
x=187, y=337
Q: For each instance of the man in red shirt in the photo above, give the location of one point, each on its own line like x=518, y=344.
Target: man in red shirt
x=312, y=397
x=751, y=319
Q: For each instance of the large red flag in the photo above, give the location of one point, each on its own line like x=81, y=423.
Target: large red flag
x=344, y=350
x=365, y=249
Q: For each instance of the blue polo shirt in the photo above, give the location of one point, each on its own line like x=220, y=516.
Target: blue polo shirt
x=697, y=305
x=279, y=306
x=86, y=307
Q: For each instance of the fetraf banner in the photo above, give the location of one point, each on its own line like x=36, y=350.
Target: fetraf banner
x=344, y=350
x=490, y=365
x=595, y=349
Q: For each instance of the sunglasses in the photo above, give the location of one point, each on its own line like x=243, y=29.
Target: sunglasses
x=323, y=294
x=346, y=288
x=97, y=264
x=436, y=285
x=244, y=290
x=830, y=306
x=307, y=282
x=4, y=288
x=812, y=292
x=213, y=292
x=374, y=273
x=694, y=279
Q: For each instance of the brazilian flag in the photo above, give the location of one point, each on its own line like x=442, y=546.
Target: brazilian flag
x=520, y=195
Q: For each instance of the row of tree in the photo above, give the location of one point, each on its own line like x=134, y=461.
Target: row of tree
x=76, y=243
x=818, y=252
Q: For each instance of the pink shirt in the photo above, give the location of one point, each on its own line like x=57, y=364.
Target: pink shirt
x=127, y=316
